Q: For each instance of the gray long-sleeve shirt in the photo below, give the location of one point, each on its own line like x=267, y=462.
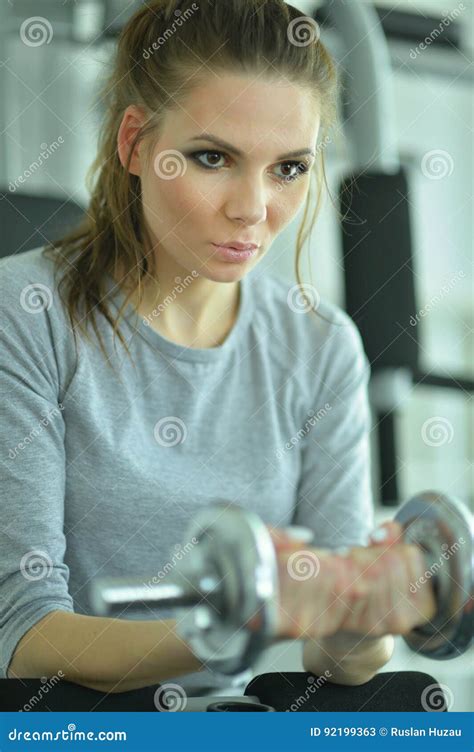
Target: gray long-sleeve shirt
x=101, y=472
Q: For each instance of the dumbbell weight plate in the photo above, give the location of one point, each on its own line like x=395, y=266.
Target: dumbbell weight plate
x=237, y=548
x=442, y=527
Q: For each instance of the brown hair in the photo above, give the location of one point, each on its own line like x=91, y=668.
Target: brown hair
x=248, y=36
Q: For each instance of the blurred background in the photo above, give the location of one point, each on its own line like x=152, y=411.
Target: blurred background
x=402, y=268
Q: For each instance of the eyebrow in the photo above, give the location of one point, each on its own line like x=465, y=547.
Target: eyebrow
x=237, y=152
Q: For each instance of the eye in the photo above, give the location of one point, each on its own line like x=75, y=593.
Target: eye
x=297, y=167
x=197, y=154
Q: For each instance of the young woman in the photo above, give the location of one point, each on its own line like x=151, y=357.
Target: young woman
x=226, y=383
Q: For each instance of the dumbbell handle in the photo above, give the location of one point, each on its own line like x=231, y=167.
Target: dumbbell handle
x=111, y=596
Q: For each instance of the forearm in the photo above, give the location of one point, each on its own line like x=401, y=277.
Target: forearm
x=112, y=655
x=347, y=658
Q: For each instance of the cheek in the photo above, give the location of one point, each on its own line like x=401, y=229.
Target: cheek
x=185, y=202
x=188, y=195
x=285, y=205
x=170, y=203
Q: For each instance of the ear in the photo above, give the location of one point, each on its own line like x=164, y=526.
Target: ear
x=132, y=121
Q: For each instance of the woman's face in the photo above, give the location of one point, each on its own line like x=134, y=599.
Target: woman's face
x=196, y=193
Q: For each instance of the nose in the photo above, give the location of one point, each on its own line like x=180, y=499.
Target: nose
x=248, y=202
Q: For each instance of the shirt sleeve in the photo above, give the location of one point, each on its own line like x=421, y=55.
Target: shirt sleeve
x=334, y=496
x=33, y=575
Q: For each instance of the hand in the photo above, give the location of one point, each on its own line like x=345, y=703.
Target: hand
x=367, y=591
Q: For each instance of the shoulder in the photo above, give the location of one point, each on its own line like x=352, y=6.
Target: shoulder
x=27, y=280
x=34, y=325
x=314, y=329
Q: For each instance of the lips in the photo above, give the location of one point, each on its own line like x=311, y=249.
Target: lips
x=238, y=246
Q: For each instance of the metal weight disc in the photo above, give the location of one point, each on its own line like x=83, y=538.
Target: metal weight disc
x=238, y=553
x=442, y=526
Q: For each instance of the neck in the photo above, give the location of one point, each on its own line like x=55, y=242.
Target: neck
x=191, y=310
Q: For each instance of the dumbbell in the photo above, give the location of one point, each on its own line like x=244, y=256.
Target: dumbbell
x=230, y=576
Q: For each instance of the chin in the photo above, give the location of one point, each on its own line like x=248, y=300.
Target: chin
x=223, y=271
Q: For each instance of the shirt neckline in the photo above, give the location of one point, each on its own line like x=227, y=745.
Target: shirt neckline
x=173, y=349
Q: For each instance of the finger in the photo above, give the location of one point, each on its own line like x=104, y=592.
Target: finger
x=299, y=533
x=386, y=534
x=290, y=538
x=421, y=592
x=396, y=589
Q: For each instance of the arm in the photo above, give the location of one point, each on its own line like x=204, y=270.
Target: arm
x=110, y=655
x=334, y=494
x=349, y=658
